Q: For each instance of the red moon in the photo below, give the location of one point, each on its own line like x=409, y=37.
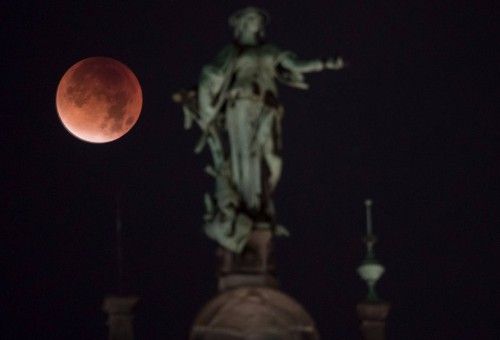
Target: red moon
x=99, y=99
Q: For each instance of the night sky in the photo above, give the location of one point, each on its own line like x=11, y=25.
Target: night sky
x=411, y=124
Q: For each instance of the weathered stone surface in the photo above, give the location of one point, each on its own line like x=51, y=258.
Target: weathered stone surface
x=253, y=313
x=120, y=316
x=373, y=316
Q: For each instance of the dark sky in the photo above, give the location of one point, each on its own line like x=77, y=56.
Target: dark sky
x=410, y=124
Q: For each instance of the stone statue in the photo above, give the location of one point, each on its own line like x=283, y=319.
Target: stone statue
x=237, y=109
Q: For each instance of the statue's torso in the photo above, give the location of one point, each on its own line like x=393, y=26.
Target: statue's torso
x=255, y=71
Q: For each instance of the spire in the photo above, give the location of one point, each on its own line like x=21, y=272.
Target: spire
x=372, y=311
x=370, y=239
x=370, y=270
x=120, y=307
x=369, y=226
x=119, y=245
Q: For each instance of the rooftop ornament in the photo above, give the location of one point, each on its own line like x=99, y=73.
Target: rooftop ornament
x=236, y=107
x=370, y=270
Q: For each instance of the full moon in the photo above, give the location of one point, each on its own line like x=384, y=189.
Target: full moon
x=99, y=99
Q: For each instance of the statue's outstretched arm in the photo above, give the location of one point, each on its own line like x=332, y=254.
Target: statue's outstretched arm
x=290, y=62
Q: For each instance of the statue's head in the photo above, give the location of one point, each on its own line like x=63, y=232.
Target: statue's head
x=248, y=25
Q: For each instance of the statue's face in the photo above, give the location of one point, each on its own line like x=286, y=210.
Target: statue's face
x=251, y=23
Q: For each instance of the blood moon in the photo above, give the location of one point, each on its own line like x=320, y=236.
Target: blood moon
x=99, y=99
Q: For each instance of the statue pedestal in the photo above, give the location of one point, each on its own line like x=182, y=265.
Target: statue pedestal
x=120, y=316
x=254, y=266
x=249, y=305
x=373, y=316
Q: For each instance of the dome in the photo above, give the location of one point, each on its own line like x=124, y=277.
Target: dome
x=253, y=313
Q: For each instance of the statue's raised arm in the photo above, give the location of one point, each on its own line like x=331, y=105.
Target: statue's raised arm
x=237, y=108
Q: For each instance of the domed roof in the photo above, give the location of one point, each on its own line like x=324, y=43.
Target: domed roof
x=253, y=313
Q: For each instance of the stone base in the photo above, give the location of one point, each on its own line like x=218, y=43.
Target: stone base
x=253, y=313
x=230, y=281
x=120, y=316
x=254, y=266
x=373, y=316
x=249, y=306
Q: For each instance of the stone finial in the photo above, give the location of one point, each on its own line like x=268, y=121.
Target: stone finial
x=372, y=311
x=370, y=270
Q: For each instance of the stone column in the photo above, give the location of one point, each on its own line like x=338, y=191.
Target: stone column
x=120, y=316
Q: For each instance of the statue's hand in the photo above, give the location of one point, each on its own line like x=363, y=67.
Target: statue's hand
x=334, y=64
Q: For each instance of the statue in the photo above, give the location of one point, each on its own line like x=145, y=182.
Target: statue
x=237, y=109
